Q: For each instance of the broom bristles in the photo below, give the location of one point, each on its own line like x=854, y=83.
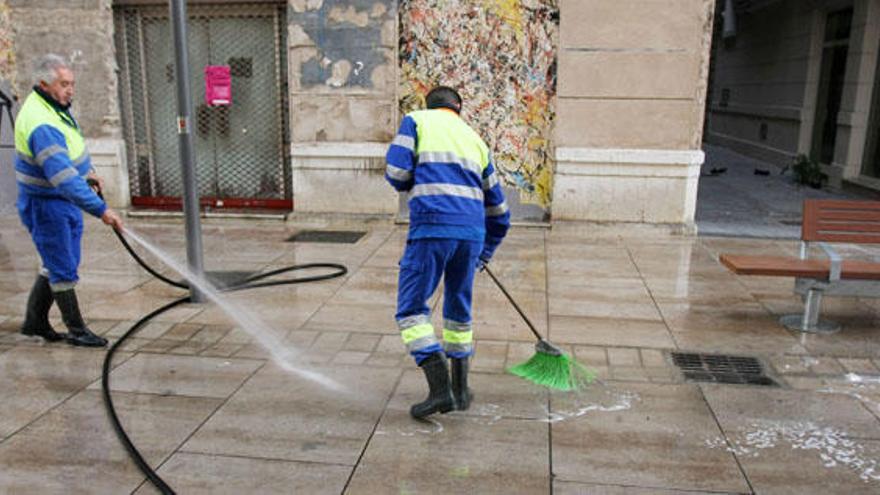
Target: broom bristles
x=559, y=372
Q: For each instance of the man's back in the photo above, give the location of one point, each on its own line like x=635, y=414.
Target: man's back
x=442, y=131
x=443, y=164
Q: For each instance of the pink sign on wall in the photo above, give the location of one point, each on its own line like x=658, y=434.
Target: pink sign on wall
x=218, y=85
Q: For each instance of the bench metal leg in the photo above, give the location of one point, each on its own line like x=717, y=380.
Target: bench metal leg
x=809, y=321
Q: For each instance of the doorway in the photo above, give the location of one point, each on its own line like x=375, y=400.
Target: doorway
x=241, y=148
x=835, y=50
x=871, y=163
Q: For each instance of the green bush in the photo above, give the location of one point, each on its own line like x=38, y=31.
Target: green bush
x=809, y=172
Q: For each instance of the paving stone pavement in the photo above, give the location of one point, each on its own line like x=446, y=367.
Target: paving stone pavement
x=737, y=201
x=214, y=413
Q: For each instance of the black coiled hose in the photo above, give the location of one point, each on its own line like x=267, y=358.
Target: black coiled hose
x=249, y=283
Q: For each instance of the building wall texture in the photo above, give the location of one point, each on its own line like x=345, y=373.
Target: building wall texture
x=343, y=80
x=594, y=108
x=82, y=31
x=765, y=82
x=631, y=100
x=763, y=76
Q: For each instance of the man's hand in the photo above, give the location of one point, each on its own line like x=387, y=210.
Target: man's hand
x=481, y=264
x=112, y=219
x=94, y=177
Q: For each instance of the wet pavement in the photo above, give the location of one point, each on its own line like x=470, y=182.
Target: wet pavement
x=209, y=409
x=741, y=196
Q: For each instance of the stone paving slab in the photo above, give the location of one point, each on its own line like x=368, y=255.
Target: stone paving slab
x=73, y=449
x=794, y=441
x=610, y=331
x=281, y=416
x=454, y=453
x=572, y=488
x=652, y=436
x=34, y=380
x=188, y=376
x=738, y=408
x=639, y=429
x=215, y=474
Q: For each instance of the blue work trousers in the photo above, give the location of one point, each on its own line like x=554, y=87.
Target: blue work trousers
x=56, y=227
x=423, y=264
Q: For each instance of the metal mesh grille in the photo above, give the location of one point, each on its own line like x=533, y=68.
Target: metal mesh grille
x=240, y=148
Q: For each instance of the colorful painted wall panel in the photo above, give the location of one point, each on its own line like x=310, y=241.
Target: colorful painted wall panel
x=501, y=55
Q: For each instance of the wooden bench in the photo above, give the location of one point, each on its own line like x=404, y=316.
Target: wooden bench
x=824, y=221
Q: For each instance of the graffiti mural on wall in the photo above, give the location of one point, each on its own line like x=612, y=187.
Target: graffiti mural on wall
x=501, y=55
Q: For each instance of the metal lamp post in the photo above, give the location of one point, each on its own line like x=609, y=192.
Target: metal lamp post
x=185, y=140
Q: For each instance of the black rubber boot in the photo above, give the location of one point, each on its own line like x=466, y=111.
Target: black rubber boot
x=439, y=395
x=460, y=391
x=36, y=319
x=78, y=333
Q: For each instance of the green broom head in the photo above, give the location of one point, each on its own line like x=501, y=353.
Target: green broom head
x=552, y=368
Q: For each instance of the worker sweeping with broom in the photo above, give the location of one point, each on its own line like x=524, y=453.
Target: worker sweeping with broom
x=458, y=217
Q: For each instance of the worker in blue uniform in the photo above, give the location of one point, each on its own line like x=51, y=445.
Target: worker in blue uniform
x=51, y=168
x=458, y=217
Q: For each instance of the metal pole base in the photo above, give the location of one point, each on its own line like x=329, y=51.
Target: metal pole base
x=796, y=323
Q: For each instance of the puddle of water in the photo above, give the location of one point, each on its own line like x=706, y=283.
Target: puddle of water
x=834, y=446
x=566, y=406
x=809, y=361
x=864, y=388
x=857, y=378
x=599, y=398
x=283, y=354
x=427, y=426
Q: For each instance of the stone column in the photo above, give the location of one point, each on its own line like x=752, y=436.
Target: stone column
x=861, y=68
x=82, y=31
x=632, y=86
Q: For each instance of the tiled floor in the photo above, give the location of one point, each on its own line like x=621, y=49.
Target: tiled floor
x=214, y=413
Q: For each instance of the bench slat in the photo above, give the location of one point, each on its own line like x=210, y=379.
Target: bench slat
x=845, y=204
x=780, y=266
x=841, y=221
x=850, y=215
x=853, y=238
x=867, y=227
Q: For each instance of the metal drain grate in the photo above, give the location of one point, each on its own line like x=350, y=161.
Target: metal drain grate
x=717, y=368
x=327, y=236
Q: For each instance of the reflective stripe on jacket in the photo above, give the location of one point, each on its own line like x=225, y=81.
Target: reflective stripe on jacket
x=51, y=156
x=447, y=171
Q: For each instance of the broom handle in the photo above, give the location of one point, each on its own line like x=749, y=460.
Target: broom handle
x=515, y=305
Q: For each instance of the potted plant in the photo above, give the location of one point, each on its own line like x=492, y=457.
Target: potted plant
x=809, y=172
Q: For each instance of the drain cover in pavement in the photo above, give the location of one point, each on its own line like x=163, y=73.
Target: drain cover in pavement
x=717, y=368
x=327, y=236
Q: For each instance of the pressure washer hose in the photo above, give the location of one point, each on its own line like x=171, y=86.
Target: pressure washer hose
x=249, y=283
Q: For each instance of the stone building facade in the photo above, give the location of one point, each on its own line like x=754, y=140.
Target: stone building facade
x=594, y=109
x=794, y=77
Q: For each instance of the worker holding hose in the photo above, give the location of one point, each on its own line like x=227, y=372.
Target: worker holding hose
x=51, y=168
x=458, y=217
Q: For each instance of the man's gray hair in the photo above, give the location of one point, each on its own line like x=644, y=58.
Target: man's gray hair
x=45, y=67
